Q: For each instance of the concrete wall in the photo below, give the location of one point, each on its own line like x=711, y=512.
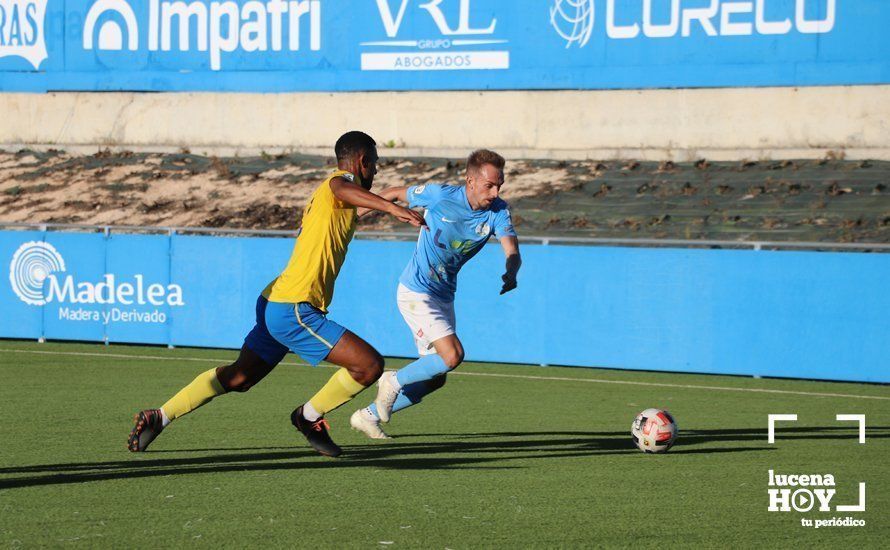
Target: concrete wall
x=718, y=124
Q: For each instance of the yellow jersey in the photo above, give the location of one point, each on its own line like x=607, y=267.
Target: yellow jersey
x=328, y=226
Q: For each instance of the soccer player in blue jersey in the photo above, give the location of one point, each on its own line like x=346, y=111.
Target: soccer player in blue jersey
x=460, y=219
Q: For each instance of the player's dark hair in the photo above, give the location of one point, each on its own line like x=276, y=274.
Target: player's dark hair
x=353, y=143
x=480, y=157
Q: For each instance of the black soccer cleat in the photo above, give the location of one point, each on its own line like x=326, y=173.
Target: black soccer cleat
x=149, y=425
x=316, y=433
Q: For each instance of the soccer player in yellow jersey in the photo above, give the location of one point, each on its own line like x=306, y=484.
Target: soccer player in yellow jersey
x=291, y=313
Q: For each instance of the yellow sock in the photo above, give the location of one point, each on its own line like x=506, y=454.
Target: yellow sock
x=202, y=389
x=339, y=389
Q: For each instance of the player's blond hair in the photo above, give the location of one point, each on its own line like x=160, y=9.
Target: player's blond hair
x=481, y=157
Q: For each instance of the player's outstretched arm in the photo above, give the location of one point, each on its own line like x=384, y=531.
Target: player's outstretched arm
x=399, y=194
x=510, y=244
x=358, y=196
x=392, y=194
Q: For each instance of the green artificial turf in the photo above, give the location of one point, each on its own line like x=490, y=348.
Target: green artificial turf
x=514, y=460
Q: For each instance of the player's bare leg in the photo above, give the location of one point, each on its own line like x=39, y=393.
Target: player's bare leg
x=361, y=366
x=359, y=358
x=449, y=354
x=451, y=350
x=247, y=370
x=244, y=373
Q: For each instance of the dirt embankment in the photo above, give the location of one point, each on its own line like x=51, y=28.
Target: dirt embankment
x=827, y=200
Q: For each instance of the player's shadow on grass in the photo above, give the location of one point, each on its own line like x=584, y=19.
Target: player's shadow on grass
x=697, y=437
x=496, y=451
x=296, y=460
x=499, y=450
x=785, y=433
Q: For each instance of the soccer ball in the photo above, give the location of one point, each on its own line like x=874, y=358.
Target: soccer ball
x=654, y=431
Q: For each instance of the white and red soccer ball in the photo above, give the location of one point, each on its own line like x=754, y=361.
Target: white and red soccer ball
x=654, y=431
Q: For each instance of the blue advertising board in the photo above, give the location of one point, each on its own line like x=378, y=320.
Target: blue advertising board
x=223, y=275
x=128, y=258
x=813, y=315
x=21, y=314
x=327, y=45
x=76, y=305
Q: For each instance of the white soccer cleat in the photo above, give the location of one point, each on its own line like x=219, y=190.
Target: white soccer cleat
x=387, y=392
x=362, y=420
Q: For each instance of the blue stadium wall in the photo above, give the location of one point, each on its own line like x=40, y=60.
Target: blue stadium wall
x=769, y=313
x=327, y=45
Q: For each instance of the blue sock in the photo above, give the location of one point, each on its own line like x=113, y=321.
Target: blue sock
x=413, y=394
x=425, y=368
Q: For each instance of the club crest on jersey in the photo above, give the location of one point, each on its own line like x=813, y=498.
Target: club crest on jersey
x=419, y=189
x=483, y=229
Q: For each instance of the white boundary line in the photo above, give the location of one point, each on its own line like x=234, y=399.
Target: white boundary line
x=664, y=385
x=489, y=374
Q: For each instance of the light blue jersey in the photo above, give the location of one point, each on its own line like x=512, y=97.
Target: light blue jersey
x=456, y=233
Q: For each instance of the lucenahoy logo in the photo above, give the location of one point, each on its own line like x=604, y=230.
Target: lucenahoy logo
x=35, y=276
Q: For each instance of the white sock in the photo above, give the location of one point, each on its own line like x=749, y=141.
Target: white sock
x=164, y=419
x=309, y=412
x=394, y=380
